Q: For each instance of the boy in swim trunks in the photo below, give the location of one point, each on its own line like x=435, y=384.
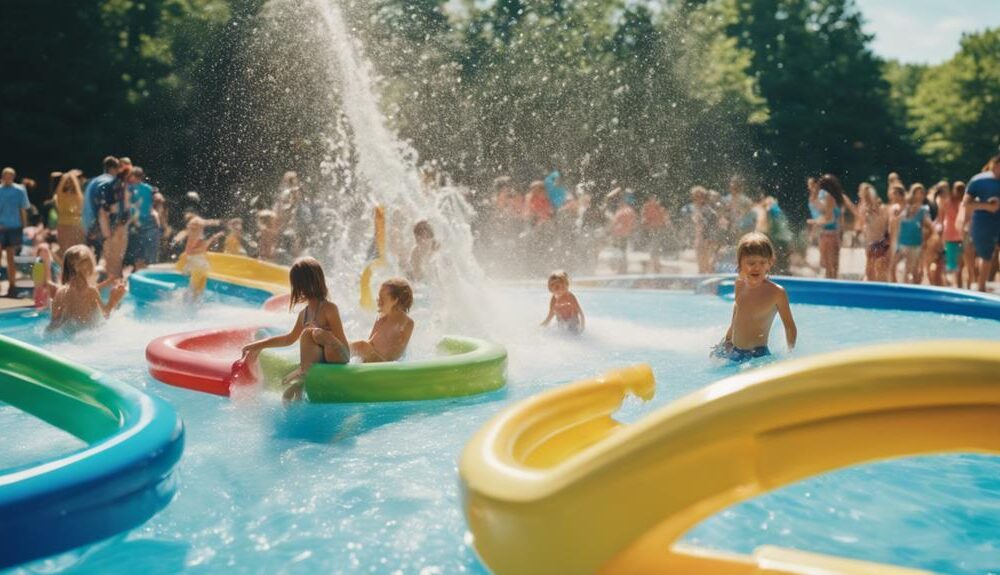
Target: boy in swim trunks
x=563, y=305
x=757, y=301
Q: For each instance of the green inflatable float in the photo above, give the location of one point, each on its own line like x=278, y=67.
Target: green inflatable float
x=465, y=366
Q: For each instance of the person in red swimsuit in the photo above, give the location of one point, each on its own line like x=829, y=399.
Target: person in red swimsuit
x=563, y=306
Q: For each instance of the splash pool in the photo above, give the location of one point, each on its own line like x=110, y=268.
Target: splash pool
x=362, y=488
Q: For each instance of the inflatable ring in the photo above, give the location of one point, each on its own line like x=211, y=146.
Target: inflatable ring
x=124, y=476
x=153, y=285
x=241, y=277
x=469, y=366
x=200, y=360
x=540, y=476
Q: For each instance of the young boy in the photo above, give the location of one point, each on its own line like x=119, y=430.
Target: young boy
x=393, y=328
x=563, y=306
x=757, y=300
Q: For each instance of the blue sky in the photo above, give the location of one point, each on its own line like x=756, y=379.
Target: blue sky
x=925, y=31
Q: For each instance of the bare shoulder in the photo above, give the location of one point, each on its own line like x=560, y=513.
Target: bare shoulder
x=330, y=308
x=776, y=291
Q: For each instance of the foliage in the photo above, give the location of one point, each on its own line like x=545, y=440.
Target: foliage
x=955, y=109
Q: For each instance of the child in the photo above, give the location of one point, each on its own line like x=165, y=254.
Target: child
x=41, y=275
x=426, y=245
x=318, y=328
x=757, y=300
x=195, y=248
x=78, y=302
x=234, y=238
x=393, y=328
x=563, y=306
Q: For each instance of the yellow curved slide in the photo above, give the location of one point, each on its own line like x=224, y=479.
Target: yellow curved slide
x=244, y=271
x=555, y=485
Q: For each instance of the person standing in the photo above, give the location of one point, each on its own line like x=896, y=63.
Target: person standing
x=146, y=230
x=13, y=216
x=69, y=210
x=113, y=219
x=654, y=222
x=982, y=199
x=92, y=204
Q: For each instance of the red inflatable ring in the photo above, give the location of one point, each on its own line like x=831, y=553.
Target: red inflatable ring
x=205, y=360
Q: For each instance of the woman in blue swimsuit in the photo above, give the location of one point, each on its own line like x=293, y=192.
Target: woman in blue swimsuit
x=911, y=224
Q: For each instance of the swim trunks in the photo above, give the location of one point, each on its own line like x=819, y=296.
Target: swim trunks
x=952, y=253
x=880, y=248
x=727, y=350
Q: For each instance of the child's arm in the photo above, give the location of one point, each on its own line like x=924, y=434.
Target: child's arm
x=251, y=350
x=114, y=298
x=732, y=320
x=785, y=311
x=552, y=312
x=58, y=316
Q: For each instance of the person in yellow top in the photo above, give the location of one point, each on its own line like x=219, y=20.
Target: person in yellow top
x=69, y=207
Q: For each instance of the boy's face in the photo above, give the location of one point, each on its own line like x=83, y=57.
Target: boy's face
x=558, y=287
x=754, y=269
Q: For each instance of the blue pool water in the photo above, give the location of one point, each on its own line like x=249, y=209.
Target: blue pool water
x=374, y=488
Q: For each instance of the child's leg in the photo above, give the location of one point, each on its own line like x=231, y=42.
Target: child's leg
x=310, y=352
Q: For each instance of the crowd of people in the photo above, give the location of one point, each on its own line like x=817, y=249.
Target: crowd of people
x=943, y=236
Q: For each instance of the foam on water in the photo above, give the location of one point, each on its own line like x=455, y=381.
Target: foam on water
x=373, y=488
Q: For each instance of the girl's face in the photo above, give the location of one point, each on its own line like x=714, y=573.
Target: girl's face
x=558, y=287
x=385, y=302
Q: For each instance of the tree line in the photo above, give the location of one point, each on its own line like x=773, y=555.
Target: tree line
x=224, y=95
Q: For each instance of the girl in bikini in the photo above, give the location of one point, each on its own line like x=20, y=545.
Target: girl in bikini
x=318, y=329
x=563, y=306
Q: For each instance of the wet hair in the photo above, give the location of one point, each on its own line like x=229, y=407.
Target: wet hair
x=72, y=259
x=423, y=229
x=400, y=289
x=754, y=244
x=831, y=184
x=308, y=281
x=111, y=163
x=559, y=275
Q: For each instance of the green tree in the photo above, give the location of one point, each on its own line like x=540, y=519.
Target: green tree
x=955, y=110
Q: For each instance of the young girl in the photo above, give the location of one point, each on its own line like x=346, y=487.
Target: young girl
x=393, y=328
x=563, y=305
x=831, y=198
x=911, y=224
x=318, y=328
x=195, y=248
x=77, y=303
x=950, y=215
x=874, y=223
x=234, y=238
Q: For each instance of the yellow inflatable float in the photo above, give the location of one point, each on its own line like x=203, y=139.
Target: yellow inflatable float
x=244, y=271
x=556, y=485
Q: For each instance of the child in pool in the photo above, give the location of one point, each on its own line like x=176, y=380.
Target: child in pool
x=393, y=328
x=318, y=328
x=77, y=303
x=425, y=247
x=195, y=248
x=563, y=305
x=233, y=243
x=757, y=301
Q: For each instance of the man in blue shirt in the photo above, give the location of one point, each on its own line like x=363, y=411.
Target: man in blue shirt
x=144, y=238
x=982, y=198
x=92, y=204
x=13, y=215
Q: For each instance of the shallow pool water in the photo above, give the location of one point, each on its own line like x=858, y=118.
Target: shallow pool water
x=374, y=488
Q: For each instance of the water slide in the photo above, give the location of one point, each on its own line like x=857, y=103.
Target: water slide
x=555, y=484
x=121, y=478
